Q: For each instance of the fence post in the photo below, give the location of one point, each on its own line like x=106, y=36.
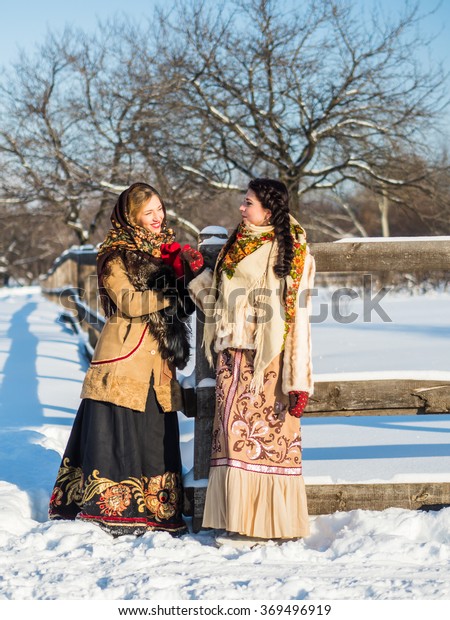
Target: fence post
x=211, y=240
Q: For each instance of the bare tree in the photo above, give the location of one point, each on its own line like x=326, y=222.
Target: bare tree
x=418, y=203
x=67, y=137
x=207, y=95
x=421, y=207
x=38, y=137
x=307, y=91
x=29, y=241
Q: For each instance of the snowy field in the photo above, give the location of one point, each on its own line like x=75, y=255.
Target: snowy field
x=358, y=555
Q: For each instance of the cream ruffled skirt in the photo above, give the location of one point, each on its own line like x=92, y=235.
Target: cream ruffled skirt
x=261, y=505
x=255, y=485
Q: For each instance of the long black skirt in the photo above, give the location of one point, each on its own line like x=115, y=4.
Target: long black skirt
x=122, y=470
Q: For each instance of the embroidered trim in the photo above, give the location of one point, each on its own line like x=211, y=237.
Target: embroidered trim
x=160, y=496
x=252, y=467
x=131, y=522
x=124, y=357
x=112, y=519
x=233, y=390
x=298, y=263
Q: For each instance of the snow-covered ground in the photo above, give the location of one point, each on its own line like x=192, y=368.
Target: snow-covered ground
x=394, y=554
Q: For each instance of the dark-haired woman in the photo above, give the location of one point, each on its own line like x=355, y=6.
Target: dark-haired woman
x=259, y=327
x=122, y=467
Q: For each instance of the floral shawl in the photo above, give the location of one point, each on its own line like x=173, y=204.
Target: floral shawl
x=247, y=285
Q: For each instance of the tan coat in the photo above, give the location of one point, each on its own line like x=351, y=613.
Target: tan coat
x=126, y=354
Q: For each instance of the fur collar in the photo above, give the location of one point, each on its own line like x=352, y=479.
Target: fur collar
x=170, y=326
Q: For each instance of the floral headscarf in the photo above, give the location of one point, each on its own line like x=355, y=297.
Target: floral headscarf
x=125, y=235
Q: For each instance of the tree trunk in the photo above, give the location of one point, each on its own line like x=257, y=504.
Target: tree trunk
x=294, y=198
x=383, y=204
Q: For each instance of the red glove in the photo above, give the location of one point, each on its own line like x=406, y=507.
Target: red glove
x=170, y=255
x=193, y=258
x=297, y=403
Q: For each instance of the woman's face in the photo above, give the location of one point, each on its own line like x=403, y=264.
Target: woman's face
x=151, y=215
x=252, y=210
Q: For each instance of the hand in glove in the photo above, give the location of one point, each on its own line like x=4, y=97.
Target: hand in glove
x=171, y=255
x=297, y=403
x=194, y=260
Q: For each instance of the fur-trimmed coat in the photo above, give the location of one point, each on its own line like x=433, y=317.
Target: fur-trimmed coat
x=296, y=359
x=145, y=335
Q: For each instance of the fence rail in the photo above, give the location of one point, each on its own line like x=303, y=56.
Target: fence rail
x=377, y=255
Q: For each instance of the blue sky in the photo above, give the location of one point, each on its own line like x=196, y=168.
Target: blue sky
x=24, y=22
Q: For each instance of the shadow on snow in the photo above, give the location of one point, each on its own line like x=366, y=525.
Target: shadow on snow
x=23, y=462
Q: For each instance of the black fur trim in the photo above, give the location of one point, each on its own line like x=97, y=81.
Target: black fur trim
x=169, y=326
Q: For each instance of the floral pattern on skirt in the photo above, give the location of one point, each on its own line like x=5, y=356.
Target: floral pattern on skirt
x=255, y=486
x=253, y=432
x=131, y=506
x=121, y=470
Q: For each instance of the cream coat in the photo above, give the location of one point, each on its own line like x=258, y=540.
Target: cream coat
x=297, y=365
x=126, y=355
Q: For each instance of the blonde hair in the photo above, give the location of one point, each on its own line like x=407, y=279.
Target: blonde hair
x=139, y=195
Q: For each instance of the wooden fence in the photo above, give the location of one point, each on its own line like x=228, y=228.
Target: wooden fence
x=72, y=282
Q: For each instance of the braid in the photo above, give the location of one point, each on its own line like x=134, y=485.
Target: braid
x=281, y=224
x=275, y=197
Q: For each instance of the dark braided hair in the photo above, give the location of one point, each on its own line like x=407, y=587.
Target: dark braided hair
x=274, y=195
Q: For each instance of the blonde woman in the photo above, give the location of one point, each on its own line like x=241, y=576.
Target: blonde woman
x=122, y=466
